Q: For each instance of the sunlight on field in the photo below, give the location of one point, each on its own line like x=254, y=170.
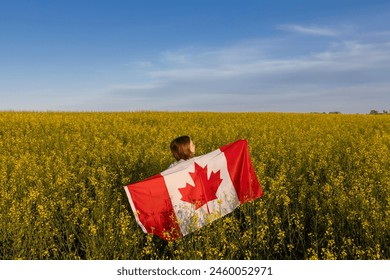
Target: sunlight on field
x=326, y=183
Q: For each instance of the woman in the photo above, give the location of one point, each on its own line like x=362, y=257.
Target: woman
x=182, y=149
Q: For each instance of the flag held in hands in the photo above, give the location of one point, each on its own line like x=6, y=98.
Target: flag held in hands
x=195, y=192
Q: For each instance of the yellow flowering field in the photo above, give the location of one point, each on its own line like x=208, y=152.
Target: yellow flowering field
x=326, y=182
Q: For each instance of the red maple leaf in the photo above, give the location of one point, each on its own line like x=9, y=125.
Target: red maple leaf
x=204, y=189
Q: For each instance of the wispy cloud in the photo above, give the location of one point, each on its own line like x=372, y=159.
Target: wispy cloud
x=350, y=76
x=308, y=30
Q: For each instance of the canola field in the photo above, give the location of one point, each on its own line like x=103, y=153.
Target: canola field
x=326, y=183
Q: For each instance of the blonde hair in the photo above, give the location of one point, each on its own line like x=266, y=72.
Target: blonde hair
x=180, y=148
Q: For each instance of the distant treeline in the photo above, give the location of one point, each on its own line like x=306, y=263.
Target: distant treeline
x=375, y=112
x=372, y=112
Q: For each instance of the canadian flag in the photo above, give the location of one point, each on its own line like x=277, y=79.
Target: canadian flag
x=195, y=192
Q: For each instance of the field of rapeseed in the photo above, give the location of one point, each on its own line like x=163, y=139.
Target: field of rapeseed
x=326, y=182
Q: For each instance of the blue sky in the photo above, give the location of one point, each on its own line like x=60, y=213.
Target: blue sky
x=280, y=56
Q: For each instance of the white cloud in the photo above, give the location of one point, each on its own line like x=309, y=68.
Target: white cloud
x=348, y=76
x=131, y=87
x=309, y=30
